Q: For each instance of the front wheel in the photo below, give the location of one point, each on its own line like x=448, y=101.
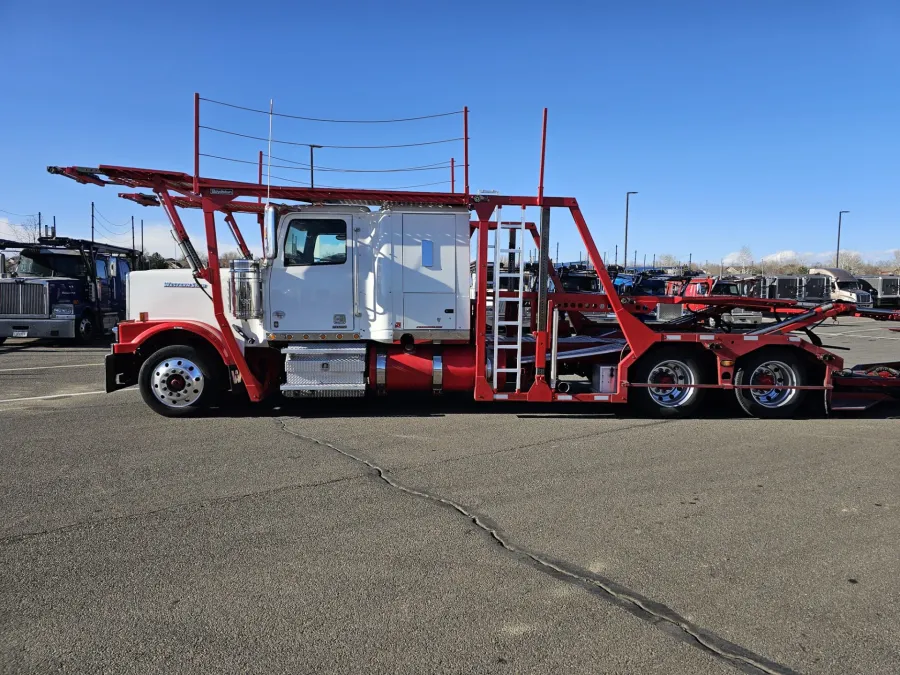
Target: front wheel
x=85, y=329
x=178, y=381
x=671, y=375
x=765, y=373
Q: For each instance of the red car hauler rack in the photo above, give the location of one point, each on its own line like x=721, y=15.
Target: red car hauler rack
x=487, y=344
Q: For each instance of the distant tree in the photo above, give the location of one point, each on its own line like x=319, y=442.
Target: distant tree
x=744, y=258
x=226, y=257
x=156, y=262
x=666, y=260
x=27, y=231
x=851, y=261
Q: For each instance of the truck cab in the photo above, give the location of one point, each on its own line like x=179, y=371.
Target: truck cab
x=63, y=288
x=844, y=286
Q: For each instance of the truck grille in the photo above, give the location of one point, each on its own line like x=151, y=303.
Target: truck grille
x=863, y=299
x=26, y=299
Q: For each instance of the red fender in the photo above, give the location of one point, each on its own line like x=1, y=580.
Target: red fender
x=132, y=334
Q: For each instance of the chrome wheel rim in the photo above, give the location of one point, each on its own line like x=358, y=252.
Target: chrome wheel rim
x=773, y=374
x=85, y=326
x=177, y=382
x=671, y=373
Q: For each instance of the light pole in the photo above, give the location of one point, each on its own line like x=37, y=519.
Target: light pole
x=312, y=183
x=625, y=254
x=837, y=253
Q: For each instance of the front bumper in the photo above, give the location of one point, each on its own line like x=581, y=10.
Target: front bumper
x=38, y=328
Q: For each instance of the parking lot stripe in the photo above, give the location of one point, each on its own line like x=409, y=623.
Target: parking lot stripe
x=51, y=396
x=74, y=365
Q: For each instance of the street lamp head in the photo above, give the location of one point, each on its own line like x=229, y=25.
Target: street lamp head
x=631, y=193
x=844, y=212
x=314, y=146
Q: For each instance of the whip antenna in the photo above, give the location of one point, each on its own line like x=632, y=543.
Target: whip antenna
x=269, y=163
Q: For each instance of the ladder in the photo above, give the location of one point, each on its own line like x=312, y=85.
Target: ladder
x=515, y=251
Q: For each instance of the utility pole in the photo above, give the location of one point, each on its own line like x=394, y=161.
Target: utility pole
x=142, y=237
x=690, y=257
x=54, y=228
x=645, y=262
x=40, y=226
x=312, y=182
x=625, y=252
x=654, y=261
x=635, y=260
x=837, y=253
x=617, y=255
x=557, y=253
x=132, y=235
x=92, y=227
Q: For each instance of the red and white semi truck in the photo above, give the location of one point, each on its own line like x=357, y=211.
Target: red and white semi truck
x=367, y=292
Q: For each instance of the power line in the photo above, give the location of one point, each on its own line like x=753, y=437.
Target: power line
x=443, y=164
x=305, y=167
x=319, y=119
x=126, y=224
x=334, y=147
x=20, y=215
x=335, y=187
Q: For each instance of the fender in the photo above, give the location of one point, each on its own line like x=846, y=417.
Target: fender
x=132, y=334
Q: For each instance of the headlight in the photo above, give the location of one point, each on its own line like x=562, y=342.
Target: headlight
x=63, y=310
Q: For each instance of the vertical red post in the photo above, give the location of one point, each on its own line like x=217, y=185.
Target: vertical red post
x=252, y=385
x=483, y=390
x=466, y=147
x=196, y=143
x=543, y=155
x=452, y=175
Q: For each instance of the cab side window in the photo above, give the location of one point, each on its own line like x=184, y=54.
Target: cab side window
x=122, y=268
x=315, y=242
x=102, y=272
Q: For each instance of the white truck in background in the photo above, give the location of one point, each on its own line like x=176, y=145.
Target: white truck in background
x=844, y=286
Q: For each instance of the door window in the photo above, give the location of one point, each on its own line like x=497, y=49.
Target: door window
x=101, y=269
x=315, y=242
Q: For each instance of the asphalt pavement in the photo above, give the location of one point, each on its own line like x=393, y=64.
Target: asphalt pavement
x=420, y=536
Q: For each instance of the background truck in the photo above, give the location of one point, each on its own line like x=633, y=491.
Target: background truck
x=843, y=286
x=63, y=288
x=885, y=289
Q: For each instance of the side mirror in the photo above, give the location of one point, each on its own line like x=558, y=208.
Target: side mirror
x=270, y=222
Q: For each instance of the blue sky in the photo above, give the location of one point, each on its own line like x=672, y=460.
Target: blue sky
x=739, y=123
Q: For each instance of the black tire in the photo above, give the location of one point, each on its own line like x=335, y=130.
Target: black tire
x=677, y=364
x=85, y=329
x=170, y=384
x=781, y=365
x=2, y=340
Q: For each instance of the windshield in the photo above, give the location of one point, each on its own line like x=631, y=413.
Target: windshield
x=37, y=264
x=653, y=286
x=577, y=284
x=726, y=289
x=848, y=285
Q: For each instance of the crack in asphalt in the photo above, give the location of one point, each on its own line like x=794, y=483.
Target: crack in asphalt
x=527, y=446
x=14, y=538
x=651, y=611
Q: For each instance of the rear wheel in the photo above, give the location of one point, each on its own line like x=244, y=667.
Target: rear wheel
x=178, y=381
x=766, y=371
x=669, y=373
